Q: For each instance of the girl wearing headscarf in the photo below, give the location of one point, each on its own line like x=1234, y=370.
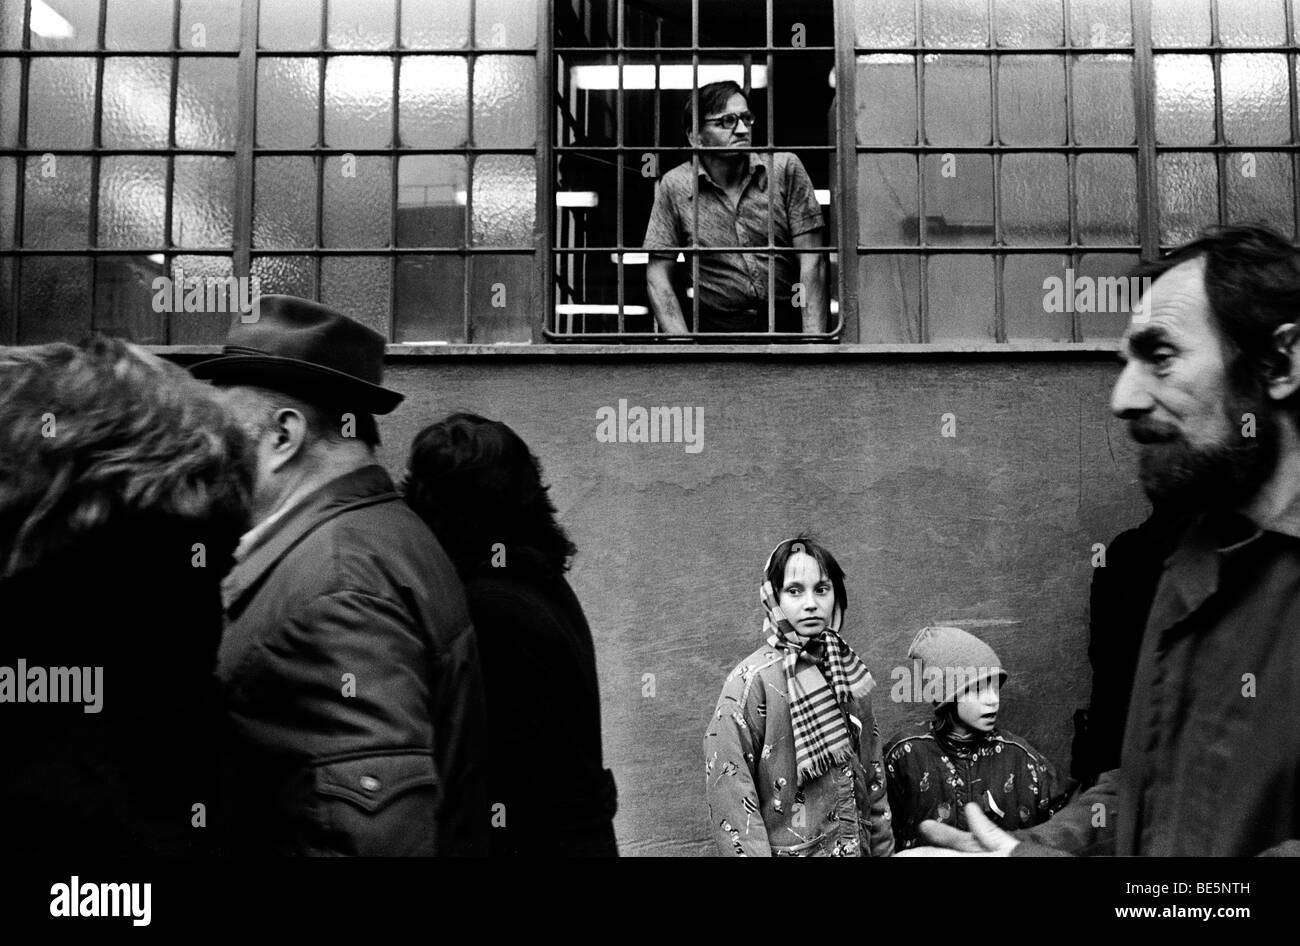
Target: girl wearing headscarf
x=792, y=754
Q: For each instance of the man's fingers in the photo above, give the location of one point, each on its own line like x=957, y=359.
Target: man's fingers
x=931, y=852
x=986, y=834
x=942, y=835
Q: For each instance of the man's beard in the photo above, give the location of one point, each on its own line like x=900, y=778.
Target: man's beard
x=1224, y=475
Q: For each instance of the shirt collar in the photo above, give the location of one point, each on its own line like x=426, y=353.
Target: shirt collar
x=756, y=165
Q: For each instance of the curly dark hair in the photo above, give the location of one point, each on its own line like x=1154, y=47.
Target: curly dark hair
x=94, y=434
x=475, y=483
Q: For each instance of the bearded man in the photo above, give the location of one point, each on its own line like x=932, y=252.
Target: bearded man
x=1210, y=764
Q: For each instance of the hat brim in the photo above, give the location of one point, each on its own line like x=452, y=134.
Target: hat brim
x=301, y=378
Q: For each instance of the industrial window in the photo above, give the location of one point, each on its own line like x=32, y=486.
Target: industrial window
x=380, y=155
x=624, y=71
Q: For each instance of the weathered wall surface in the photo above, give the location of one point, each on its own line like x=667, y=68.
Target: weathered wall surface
x=991, y=529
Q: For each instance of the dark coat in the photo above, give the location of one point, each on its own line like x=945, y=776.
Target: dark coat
x=351, y=679
x=539, y=668
x=137, y=600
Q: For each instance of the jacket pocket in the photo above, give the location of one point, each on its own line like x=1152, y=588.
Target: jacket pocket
x=383, y=805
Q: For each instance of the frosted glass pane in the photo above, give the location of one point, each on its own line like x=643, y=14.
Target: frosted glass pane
x=1109, y=266
x=203, y=201
x=210, y=24
x=11, y=32
x=434, y=101
x=10, y=87
x=435, y=24
x=56, y=202
x=1180, y=22
x=954, y=23
x=1103, y=100
x=889, y=298
x=124, y=299
x=201, y=328
x=959, y=200
x=8, y=203
x=886, y=22
x=61, y=103
x=958, y=108
x=54, y=299
x=1189, y=197
x=141, y=24
x=505, y=23
x=1029, y=22
x=1101, y=23
x=505, y=195
x=1252, y=22
x=1255, y=97
x=206, y=104
x=505, y=102
x=886, y=100
x=1031, y=100
x=287, y=275
x=1106, y=198
x=1028, y=311
x=961, y=298
x=511, y=279
x=362, y=24
x=430, y=299
x=137, y=102
x=132, y=201
x=284, y=202
x=76, y=25
x=887, y=199
x=431, y=200
x=288, y=102
x=359, y=102
x=358, y=286
x=357, y=204
x=1259, y=189
x=289, y=24
x=1184, y=100
x=1035, y=198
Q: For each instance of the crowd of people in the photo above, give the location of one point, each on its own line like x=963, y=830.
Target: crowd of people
x=364, y=656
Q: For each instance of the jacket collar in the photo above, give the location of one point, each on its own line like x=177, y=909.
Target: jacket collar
x=362, y=487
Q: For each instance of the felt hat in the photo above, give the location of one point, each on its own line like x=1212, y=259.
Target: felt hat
x=962, y=658
x=305, y=349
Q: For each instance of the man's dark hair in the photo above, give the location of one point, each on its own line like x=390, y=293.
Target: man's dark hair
x=475, y=483
x=713, y=98
x=1252, y=280
x=775, y=573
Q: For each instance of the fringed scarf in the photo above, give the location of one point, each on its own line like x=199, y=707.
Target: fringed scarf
x=817, y=709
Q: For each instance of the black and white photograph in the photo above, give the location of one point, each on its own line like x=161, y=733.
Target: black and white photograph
x=524, y=431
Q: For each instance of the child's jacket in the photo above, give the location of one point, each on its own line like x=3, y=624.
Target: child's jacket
x=755, y=806
x=934, y=777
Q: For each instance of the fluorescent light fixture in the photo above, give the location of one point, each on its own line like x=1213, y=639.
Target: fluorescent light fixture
x=632, y=259
x=576, y=199
x=679, y=76
x=157, y=258
x=823, y=196
x=574, y=308
x=48, y=24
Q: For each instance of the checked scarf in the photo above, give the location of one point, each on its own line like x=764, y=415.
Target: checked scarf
x=817, y=709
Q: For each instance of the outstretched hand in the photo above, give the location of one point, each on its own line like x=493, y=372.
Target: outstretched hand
x=984, y=838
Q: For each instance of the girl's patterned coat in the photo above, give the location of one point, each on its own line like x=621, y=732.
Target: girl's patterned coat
x=935, y=776
x=755, y=806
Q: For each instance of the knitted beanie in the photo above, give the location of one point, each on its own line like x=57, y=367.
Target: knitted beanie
x=963, y=659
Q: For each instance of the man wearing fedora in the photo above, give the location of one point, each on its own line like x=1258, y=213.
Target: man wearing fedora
x=348, y=664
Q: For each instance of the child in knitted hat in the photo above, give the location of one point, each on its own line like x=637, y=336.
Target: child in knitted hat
x=792, y=754
x=960, y=755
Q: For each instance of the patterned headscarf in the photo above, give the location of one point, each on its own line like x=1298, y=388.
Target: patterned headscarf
x=817, y=708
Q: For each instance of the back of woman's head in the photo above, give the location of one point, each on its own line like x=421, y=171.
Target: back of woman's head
x=106, y=434
x=477, y=485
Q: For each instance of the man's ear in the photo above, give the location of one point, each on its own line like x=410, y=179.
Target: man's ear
x=289, y=436
x=1285, y=380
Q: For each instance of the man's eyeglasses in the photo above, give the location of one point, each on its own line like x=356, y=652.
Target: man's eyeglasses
x=728, y=121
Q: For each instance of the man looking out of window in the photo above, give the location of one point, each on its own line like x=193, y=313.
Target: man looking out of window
x=733, y=210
